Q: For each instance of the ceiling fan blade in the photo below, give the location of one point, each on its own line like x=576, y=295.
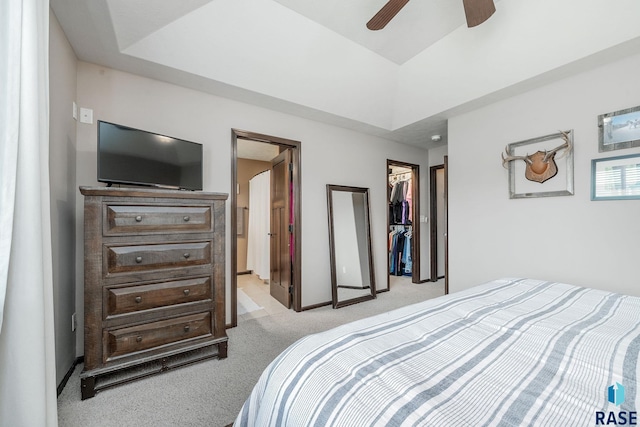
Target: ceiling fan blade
x=386, y=14
x=478, y=11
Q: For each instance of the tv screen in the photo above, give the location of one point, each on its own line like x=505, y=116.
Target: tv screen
x=133, y=156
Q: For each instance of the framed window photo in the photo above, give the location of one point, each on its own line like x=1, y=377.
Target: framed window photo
x=620, y=129
x=615, y=178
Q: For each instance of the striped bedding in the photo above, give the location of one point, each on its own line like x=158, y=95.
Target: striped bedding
x=511, y=352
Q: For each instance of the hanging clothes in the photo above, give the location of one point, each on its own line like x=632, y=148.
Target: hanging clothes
x=258, y=239
x=400, y=215
x=409, y=200
x=400, y=262
x=406, y=256
x=400, y=203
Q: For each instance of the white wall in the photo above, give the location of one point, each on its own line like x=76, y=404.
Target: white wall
x=569, y=239
x=330, y=155
x=436, y=155
x=62, y=166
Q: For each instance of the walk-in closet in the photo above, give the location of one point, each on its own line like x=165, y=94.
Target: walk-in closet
x=400, y=192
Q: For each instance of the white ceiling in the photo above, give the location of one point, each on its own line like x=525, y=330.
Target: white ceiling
x=416, y=27
x=316, y=59
x=253, y=150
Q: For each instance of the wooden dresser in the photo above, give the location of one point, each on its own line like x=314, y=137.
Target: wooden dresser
x=154, y=285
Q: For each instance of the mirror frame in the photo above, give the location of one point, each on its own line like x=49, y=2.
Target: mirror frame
x=332, y=248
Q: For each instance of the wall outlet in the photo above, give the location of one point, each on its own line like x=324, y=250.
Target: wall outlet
x=86, y=115
x=74, y=323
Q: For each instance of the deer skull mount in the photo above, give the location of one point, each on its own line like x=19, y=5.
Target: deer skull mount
x=541, y=165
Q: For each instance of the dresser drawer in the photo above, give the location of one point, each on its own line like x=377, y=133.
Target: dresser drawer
x=149, y=336
x=145, y=258
x=135, y=219
x=137, y=298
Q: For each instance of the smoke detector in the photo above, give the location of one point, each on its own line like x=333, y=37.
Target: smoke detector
x=436, y=138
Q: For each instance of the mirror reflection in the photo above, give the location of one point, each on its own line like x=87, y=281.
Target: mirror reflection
x=352, y=277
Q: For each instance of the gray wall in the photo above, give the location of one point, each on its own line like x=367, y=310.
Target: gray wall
x=62, y=175
x=569, y=239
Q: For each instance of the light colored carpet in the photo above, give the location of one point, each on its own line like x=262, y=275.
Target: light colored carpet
x=246, y=304
x=211, y=393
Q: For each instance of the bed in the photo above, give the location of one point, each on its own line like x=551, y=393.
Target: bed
x=509, y=352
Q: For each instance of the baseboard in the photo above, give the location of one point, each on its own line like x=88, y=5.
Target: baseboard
x=69, y=373
x=311, y=307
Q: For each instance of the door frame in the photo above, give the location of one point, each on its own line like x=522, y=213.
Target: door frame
x=433, y=208
x=415, y=220
x=432, y=200
x=297, y=225
x=446, y=225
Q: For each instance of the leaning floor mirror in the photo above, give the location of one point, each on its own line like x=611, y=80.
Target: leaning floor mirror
x=352, y=278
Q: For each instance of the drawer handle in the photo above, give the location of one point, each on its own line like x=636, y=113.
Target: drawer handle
x=138, y=299
x=186, y=328
x=138, y=338
x=138, y=259
x=138, y=218
x=186, y=292
x=186, y=255
x=186, y=218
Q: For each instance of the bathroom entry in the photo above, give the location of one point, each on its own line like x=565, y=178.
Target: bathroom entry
x=438, y=194
x=268, y=250
x=437, y=182
x=403, y=222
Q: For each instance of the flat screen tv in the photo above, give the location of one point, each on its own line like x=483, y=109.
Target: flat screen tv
x=133, y=156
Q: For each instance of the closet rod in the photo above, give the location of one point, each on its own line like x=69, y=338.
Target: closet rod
x=400, y=176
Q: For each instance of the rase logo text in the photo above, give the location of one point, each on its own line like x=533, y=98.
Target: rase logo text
x=615, y=395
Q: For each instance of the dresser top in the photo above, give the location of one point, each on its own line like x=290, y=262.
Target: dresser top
x=150, y=192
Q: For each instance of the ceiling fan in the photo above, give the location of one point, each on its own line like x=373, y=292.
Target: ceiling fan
x=477, y=11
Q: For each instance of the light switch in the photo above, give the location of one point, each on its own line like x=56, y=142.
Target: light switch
x=75, y=110
x=86, y=115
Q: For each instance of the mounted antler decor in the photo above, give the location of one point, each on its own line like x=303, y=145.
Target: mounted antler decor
x=540, y=166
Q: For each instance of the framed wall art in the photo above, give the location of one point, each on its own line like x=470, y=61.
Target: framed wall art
x=615, y=178
x=620, y=129
x=540, y=167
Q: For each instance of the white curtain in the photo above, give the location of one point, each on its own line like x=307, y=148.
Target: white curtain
x=27, y=346
x=258, y=240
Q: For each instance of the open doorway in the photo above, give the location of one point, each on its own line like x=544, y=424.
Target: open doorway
x=403, y=219
x=436, y=175
x=438, y=230
x=272, y=164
